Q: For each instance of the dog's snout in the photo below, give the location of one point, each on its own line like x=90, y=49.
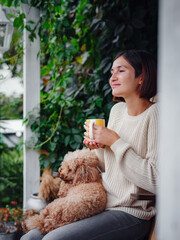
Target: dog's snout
x=61, y=176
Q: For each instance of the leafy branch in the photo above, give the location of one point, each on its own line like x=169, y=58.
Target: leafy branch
x=54, y=131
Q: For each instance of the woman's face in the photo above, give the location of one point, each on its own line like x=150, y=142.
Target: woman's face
x=123, y=81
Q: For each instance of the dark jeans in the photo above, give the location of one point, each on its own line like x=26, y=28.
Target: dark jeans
x=108, y=225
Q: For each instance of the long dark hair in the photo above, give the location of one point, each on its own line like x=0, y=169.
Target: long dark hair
x=143, y=63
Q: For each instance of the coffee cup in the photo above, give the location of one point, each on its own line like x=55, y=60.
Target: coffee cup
x=100, y=122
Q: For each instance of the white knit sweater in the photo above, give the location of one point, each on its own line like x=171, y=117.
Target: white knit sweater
x=130, y=164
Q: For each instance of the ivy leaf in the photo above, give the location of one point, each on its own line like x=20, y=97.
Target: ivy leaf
x=52, y=158
x=78, y=138
x=99, y=102
x=74, y=145
x=28, y=28
x=19, y=21
x=79, y=59
x=107, y=68
x=52, y=146
x=46, y=163
x=138, y=23
x=67, y=140
x=104, y=62
x=119, y=29
x=95, y=21
x=67, y=131
x=16, y=2
x=24, y=1
x=3, y=2
x=107, y=92
x=116, y=39
x=56, y=139
x=32, y=36
x=31, y=22
x=2, y=186
x=9, y=3
x=6, y=199
x=75, y=131
x=26, y=121
x=45, y=70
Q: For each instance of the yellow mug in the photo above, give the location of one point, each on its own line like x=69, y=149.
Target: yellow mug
x=100, y=122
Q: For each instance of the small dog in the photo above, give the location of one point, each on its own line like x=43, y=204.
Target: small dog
x=81, y=193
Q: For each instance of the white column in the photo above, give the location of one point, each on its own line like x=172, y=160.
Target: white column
x=31, y=78
x=169, y=86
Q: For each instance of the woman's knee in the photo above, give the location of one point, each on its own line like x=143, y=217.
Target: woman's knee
x=32, y=235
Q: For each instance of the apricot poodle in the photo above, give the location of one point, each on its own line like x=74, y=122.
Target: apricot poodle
x=81, y=193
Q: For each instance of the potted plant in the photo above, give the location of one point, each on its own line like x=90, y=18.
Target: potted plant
x=10, y=222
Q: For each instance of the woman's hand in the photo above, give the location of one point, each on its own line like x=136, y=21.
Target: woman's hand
x=88, y=142
x=92, y=144
x=103, y=136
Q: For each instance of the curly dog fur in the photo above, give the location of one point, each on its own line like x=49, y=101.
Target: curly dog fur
x=49, y=186
x=81, y=193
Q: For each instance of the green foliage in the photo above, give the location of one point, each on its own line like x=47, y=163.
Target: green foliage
x=79, y=40
x=11, y=107
x=11, y=175
x=13, y=57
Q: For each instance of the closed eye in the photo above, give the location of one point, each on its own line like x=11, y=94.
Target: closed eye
x=119, y=71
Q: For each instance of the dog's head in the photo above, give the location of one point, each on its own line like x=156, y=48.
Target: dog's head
x=80, y=167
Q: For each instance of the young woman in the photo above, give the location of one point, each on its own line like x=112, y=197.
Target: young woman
x=127, y=151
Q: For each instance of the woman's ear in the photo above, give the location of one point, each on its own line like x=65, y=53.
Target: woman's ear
x=141, y=79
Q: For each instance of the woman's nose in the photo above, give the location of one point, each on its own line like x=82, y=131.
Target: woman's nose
x=113, y=76
x=112, y=79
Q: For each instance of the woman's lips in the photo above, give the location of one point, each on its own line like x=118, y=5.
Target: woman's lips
x=115, y=85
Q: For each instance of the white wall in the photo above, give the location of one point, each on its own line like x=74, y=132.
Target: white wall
x=169, y=86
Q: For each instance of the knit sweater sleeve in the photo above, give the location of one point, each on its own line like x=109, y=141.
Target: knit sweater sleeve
x=140, y=171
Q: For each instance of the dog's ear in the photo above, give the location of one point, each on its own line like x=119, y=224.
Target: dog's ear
x=80, y=175
x=92, y=174
x=93, y=162
x=85, y=174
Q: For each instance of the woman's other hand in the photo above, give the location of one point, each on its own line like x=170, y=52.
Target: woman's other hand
x=92, y=144
x=88, y=142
